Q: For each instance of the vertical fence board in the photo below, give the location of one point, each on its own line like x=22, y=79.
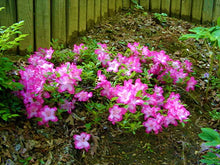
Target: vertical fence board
x=72, y=19
x=197, y=10
x=8, y=15
x=145, y=4
x=59, y=21
x=216, y=13
x=104, y=9
x=126, y=4
x=25, y=12
x=207, y=11
x=175, y=8
x=97, y=11
x=82, y=16
x=111, y=7
x=165, y=6
x=155, y=6
x=118, y=5
x=42, y=23
x=90, y=13
x=186, y=9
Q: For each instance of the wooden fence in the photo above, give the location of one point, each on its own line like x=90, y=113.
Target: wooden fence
x=66, y=19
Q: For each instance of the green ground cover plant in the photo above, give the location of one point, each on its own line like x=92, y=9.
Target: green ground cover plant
x=10, y=105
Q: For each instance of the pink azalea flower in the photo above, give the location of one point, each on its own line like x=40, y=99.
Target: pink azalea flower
x=81, y=141
x=133, y=47
x=66, y=84
x=169, y=119
x=113, y=66
x=191, y=84
x=152, y=124
x=161, y=57
x=83, y=96
x=33, y=109
x=116, y=113
x=188, y=65
x=48, y=114
x=45, y=53
x=69, y=106
x=77, y=49
x=149, y=111
x=176, y=64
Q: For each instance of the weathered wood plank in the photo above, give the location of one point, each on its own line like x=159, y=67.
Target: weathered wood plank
x=72, y=20
x=207, y=11
x=90, y=13
x=155, y=6
x=42, y=24
x=197, y=11
x=111, y=7
x=175, y=8
x=126, y=4
x=145, y=4
x=118, y=5
x=104, y=9
x=97, y=11
x=8, y=15
x=216, y=12
x=82, y=16
x=59, y=21
x=165, y=6
x=186, y=9
x=25, y=12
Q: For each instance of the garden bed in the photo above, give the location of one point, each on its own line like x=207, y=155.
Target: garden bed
x=22, y=139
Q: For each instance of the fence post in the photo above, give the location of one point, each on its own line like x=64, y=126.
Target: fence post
x=72, y=20
x=216, y=13
x=82, y=16
x=207, y=11
x=165, y=6
x=42, y=23
x=126, y=4
x=118, y=5
x=155, y=6
x=97, y=11
x=90, y=13
x=111, y=7
x=59, y=21
x=104, y=9
x=145, y=4
x=186, y=9
x=175, y=8
x=25, y=12
x=197, y=10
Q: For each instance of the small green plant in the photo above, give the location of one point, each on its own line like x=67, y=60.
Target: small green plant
x=212, y=139
x=9, y=106
x=160, y=17
x=137, y=5
x=25, y=161
x=211, y=38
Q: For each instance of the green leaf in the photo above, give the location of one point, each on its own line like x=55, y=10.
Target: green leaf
x=209, y=134
x=218, y=21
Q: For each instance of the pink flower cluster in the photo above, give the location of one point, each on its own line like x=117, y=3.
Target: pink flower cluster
x=157, y=110
x=39, y=77
x=160, y=64
x=129, y=64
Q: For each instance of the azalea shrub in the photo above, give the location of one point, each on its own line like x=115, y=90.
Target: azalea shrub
x=130, y=89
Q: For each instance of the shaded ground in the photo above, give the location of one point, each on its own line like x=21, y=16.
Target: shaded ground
x=24, y=140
